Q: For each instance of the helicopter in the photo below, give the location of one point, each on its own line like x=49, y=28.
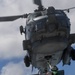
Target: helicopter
x=47, y=38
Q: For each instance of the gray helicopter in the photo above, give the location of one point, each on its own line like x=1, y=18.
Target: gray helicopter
x=47, y=38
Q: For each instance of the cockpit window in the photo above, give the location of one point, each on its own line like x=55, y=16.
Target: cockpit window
x=33, y=15
x=60, y=13
x=29, y=18
x=38, y=14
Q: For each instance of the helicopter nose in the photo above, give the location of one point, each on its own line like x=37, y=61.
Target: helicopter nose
x=52, y=19
x=51, y=27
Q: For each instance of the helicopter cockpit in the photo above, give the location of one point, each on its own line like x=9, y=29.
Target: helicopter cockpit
x=47, y=23
x=32, y=16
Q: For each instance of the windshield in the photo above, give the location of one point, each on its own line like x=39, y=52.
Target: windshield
x=33, y=15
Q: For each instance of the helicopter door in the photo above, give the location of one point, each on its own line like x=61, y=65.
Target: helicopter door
x=27, y=35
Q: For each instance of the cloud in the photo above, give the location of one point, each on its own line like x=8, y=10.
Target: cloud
x=10, y=38
x=17, y=69
x=11, y=41
x=13, y=69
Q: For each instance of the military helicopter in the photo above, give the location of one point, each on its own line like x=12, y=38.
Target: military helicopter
x=47, y=38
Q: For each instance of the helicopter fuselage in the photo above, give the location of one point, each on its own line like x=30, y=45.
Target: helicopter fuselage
x=48, y=33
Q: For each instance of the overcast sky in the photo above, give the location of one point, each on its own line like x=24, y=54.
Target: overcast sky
x=11, y=51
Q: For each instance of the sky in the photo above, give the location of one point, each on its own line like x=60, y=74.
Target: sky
x=11, y=51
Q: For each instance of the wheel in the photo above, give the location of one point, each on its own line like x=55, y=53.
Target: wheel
x=73, y=54
x=26, y=44
x=27, y=61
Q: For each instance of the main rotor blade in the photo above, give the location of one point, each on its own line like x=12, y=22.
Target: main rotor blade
x=38, y=2
x=68, y=9
x=12, y=18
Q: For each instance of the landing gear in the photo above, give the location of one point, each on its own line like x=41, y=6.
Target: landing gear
x=27, y=61
x=27, y=46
